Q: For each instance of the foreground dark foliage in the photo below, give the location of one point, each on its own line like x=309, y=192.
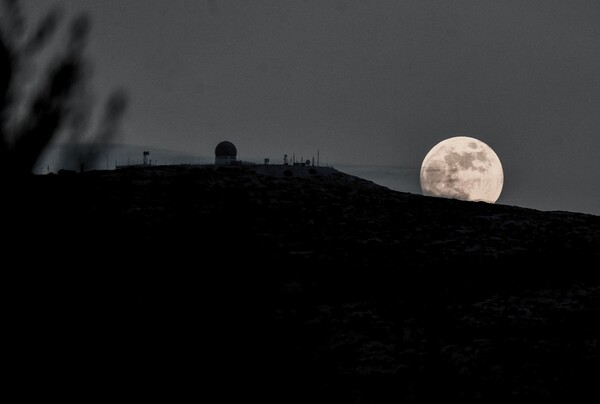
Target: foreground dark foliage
x=57, y=104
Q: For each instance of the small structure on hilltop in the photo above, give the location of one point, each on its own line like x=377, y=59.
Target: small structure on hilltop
x=146, y=162
x=225, y=154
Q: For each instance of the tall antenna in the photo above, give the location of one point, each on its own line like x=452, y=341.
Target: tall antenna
x=317, y=157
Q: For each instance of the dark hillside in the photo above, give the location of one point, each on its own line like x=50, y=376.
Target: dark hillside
x=298, y=286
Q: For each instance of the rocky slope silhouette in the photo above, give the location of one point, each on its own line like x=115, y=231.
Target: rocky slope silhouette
x=298, y=284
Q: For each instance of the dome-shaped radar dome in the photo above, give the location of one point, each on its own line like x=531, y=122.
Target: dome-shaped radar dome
x=225, y=149
x=225, y=153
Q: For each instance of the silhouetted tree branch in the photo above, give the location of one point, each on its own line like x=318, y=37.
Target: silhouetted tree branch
x=53, y=106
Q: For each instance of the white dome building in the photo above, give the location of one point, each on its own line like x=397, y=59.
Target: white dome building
x=225, y=154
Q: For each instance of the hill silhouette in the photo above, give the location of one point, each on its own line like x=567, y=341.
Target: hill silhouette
x=298, y=284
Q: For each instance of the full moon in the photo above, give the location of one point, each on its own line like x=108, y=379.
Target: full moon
x=463, y=168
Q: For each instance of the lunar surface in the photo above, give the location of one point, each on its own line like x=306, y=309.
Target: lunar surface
x=463, y=168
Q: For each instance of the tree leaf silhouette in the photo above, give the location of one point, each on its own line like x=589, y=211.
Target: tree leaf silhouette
x=53, y=106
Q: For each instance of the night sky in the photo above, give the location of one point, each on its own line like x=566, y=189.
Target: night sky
x=364, y=82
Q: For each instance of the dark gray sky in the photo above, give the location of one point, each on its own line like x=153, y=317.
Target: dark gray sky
x=366, y=82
